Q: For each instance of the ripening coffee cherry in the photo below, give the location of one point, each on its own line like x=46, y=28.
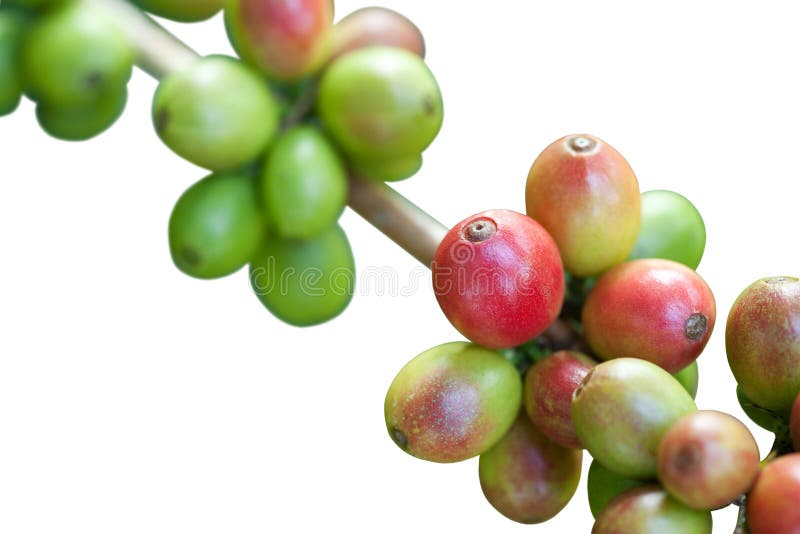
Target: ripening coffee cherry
x=376, y=26
x=452, y=402
x=286, y=39
x=380, y=103
x=305, y=282
x=528, y=478
x=74, y=54
x=762, y=339
x=216, y=226
x=650, y=510
x=657, y=310
x=671, y=229
x=622, y=410
x=182, y=10
x=547, y=397
x=707, y=459
x=498, y=278
x=772, y=505
x=216, y=113
x=303, y=183
x=602, y=485
x=586, y=195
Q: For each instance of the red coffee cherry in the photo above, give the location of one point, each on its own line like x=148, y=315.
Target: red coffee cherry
x=499, y=279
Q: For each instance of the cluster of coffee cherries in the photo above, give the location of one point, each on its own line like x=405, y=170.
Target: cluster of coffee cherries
x=586, y=317
x=281, y=128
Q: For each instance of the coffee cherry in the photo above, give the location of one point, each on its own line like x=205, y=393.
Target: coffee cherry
x=689, y=377
x=650, y=510
x=707, y=459
x=305, y=282
x=767, y=419
x=380, y=103
x=671, y=229
x=376, y=26
x=182, y=10
x=498, y=278
x=621, y=411
x=82, y=122
x=656, y=310
x=528, y=478
x=772, y=505
x=452, y=402
x=286, y=39
x=547, y=397
x=387, y=170
x=586, y=195
x=216, y=226
x=13, y=23
x=74, y=54
x=303, y=183
x=602, y=485
x=217, y=113
x=762, y=339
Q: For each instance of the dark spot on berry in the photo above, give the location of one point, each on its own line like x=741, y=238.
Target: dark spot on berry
x=162, y=119
x=399, y=437
x=94, y=81
x=190, y=256
x=428, y=105
x=479, y=230
x=695, y=326
x=688, y=458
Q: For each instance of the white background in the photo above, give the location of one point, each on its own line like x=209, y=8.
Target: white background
x=134, y=399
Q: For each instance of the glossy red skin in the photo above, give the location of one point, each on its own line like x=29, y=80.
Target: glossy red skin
x=503, y=291
x=639, y=309
x=528, y=478
x=773, y=505
x=707, y=459
x=287, y=39
x=762, y=339
x=794, y=423
x=589, y=202
x=376, y=26
x=547, y=397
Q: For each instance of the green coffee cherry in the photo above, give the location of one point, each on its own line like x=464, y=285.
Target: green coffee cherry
x=74, y=54
x=216, y=226
x=79, y=123
x=303, y=184
x=305, y=282
x=689, y=378
x=217, y=113
x=380, y=103
x=182, y=10
x=602, y=485
x=12, y=26
x=387, y=170
x=671, y=229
